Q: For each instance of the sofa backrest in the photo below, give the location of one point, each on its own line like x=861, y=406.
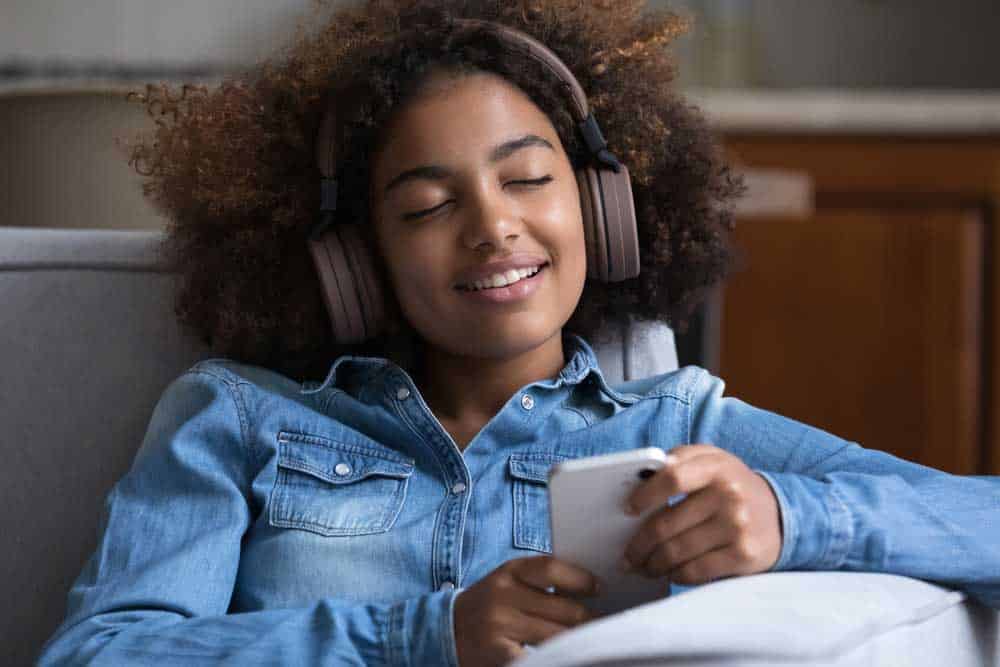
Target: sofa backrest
x=86, y=314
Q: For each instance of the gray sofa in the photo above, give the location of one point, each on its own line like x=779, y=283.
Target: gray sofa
x=87, y=313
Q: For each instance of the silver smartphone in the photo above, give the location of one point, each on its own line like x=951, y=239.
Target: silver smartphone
x=590, y=528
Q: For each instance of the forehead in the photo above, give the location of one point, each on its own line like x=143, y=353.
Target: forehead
x=463, y=118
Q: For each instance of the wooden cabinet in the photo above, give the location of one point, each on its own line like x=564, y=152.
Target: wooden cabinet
x=872, y=316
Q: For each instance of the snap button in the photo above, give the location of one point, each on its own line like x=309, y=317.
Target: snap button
x=402, y=393
x=527, y=402
x=458, y=488
x=342, y=469
x=447, y=586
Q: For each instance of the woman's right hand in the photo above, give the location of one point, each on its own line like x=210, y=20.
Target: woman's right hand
x=510, y=607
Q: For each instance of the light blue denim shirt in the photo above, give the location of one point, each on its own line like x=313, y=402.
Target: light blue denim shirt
x=265, y=522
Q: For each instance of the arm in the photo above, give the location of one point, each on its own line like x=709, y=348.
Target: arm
x=157, y=588
x=844, y=507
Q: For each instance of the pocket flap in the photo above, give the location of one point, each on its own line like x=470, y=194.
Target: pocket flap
x=339, y=462
x=533, y=467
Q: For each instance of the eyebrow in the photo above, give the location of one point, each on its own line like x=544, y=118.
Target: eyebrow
x=437, y=172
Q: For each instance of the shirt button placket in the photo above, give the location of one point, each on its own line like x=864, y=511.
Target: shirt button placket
x=455, y=503
x=457, y=489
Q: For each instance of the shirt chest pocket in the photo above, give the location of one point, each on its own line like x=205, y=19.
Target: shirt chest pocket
x=530, y=477
x=337, y=488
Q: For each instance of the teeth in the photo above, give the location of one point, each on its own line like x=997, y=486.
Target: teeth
x=503, y=279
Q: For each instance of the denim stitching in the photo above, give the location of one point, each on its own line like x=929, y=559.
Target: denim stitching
x=320, y=528
x=524, y=536
x=841, y=531
x=471, y=527
x=428, y=438
x=339, y=445
x=299, y=463
x=317, y=525
x=439, y=520
x=450, y=649
x=251, y=459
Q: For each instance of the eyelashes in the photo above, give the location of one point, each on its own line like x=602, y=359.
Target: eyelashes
x=426, y=212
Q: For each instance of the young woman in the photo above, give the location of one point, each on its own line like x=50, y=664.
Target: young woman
x=391, y=508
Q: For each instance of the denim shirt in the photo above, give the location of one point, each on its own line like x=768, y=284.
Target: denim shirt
x=263, y=521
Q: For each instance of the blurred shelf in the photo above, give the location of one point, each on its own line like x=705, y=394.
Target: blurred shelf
x=95, y=85
x=850, y=111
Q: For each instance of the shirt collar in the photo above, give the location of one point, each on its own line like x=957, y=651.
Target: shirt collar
x=582, y=362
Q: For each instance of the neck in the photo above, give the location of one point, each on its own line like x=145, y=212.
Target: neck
x=473, y=389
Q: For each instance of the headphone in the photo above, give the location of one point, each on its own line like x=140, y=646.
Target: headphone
x=351, y=289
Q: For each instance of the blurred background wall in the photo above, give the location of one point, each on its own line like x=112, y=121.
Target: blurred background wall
x=849, y=43
x=64, y=66
x=772, y=43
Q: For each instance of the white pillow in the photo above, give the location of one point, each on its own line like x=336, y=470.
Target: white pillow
x=795, y=618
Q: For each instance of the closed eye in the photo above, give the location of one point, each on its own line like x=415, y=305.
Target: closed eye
x=538, y=181
x=419, y=214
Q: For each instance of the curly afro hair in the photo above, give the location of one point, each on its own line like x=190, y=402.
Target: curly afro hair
x=234, y=169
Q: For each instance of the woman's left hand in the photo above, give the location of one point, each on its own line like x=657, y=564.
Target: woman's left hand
x=728, y=524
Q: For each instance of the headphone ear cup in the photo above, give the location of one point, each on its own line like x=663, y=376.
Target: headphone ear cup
x=350, y=288
x=620, y=223
x=369, y=287
x=597, y=268
x=609, y=223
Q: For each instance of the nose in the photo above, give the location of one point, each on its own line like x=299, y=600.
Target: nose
x=491, y=219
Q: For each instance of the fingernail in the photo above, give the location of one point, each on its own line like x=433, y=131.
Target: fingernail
x=624, y=565
x=597, y=586
x=630, y=509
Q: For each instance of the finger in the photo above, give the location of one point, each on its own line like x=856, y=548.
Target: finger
x=692, y=543
x=532, y=629
x=687, y=451
x=685, y=476
x=670, y=521
x=555, y=608
x=542, y=572
x=716, y=564
x=512, y=650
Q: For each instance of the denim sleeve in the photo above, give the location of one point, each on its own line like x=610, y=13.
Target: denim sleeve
x=844, y=507
x=157, y=588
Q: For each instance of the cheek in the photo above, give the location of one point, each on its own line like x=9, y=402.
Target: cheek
x=572, y=238
x=415, y=268
x=399, y=265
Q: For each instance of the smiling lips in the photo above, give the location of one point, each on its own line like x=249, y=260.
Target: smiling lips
x=488, y=271
x=516, y=291
x=502, y=279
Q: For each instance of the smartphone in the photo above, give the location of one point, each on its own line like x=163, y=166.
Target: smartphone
x=590, y=528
